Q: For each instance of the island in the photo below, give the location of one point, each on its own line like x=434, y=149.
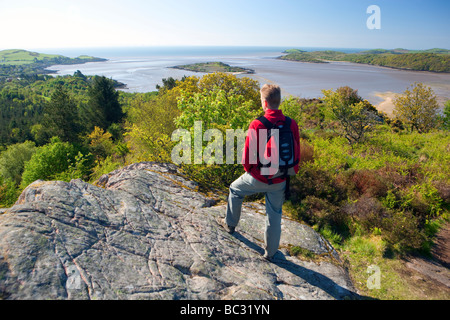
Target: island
x=434, y=60
x=211, y=67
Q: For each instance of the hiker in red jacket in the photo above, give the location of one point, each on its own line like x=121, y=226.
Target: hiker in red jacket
x=257, y=179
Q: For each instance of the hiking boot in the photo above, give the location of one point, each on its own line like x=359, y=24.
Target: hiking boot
x=230, y=229
x=267, y=257
x=222, y=222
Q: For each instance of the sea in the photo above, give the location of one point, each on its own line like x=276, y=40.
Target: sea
x=142, y=68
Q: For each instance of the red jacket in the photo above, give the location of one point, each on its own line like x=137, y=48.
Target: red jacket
x=249, y=161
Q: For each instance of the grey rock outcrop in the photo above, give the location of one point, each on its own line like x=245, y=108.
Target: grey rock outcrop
x=145, y=232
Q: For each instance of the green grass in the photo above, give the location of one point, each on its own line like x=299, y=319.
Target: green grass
x=429, y=150
x=363, y=254
x=302, y=253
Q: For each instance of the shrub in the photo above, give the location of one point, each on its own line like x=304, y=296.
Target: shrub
x=102, y=167
x=101, y=144
x=12, y=161
x=443, y=189
x=401, y=176
x=150, y=123
x=330, y=154
x=446, y=116
x=424, y=200
x=319, y=211
x=316, y=182
x=417, y=107
x=369, y=183
x=8, y=192
x=368, y=212
x=306, y=152
x=56, y=160
x=354, y=115
x=402, y=232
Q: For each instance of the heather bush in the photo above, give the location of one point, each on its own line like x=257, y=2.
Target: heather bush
x=367, y=211
x=402, y=232
x=318, y=211
x=306, y=152
x=316, y=182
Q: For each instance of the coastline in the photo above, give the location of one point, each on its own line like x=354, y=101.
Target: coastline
x=302, y=79
x=387, y=105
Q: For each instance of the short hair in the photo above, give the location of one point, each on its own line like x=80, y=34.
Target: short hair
x=271, y=93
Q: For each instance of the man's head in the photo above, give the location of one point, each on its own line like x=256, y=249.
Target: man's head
x=270, y=96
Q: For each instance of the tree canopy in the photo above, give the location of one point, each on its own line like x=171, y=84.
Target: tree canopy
x=417, y=107
x=103, y=107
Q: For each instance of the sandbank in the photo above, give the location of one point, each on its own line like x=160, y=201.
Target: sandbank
x=387, y=105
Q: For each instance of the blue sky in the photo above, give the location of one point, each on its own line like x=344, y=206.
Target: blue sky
x=411, y=24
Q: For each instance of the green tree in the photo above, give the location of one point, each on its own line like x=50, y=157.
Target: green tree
x=232, y=85
x=8, y=192
x=417, y=107
x=101, y=144
x=446, y=117
x=57, y=160
x=168, y=83
x=218, y=108
x=103, y=107
x=355, y=115
x=150, y=123
x=215, y=108
x=61, y=116
x=12, y=161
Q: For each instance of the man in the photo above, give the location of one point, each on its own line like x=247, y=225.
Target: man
x=253, y=181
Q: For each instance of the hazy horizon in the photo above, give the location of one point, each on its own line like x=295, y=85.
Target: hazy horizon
x=143, y=51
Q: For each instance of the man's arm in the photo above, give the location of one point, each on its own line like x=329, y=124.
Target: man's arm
x=249, y=154
x=296, y=133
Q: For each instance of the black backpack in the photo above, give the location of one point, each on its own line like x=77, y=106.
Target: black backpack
x=286, y=151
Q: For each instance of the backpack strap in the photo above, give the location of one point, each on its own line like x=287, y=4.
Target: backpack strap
x=265, y=122
x=287, y=122
x=269, y=125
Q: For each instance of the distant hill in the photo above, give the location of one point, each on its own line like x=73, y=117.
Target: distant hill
x=20, y=57
x=435, y=60
x=17, y=63
x=401, y=50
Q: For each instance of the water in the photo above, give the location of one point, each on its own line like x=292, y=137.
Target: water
x=143, y=68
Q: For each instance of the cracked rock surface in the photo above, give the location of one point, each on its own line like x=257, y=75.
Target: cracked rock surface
x=146, y=233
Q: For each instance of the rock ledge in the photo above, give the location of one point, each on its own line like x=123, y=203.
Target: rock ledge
x=145, y=232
